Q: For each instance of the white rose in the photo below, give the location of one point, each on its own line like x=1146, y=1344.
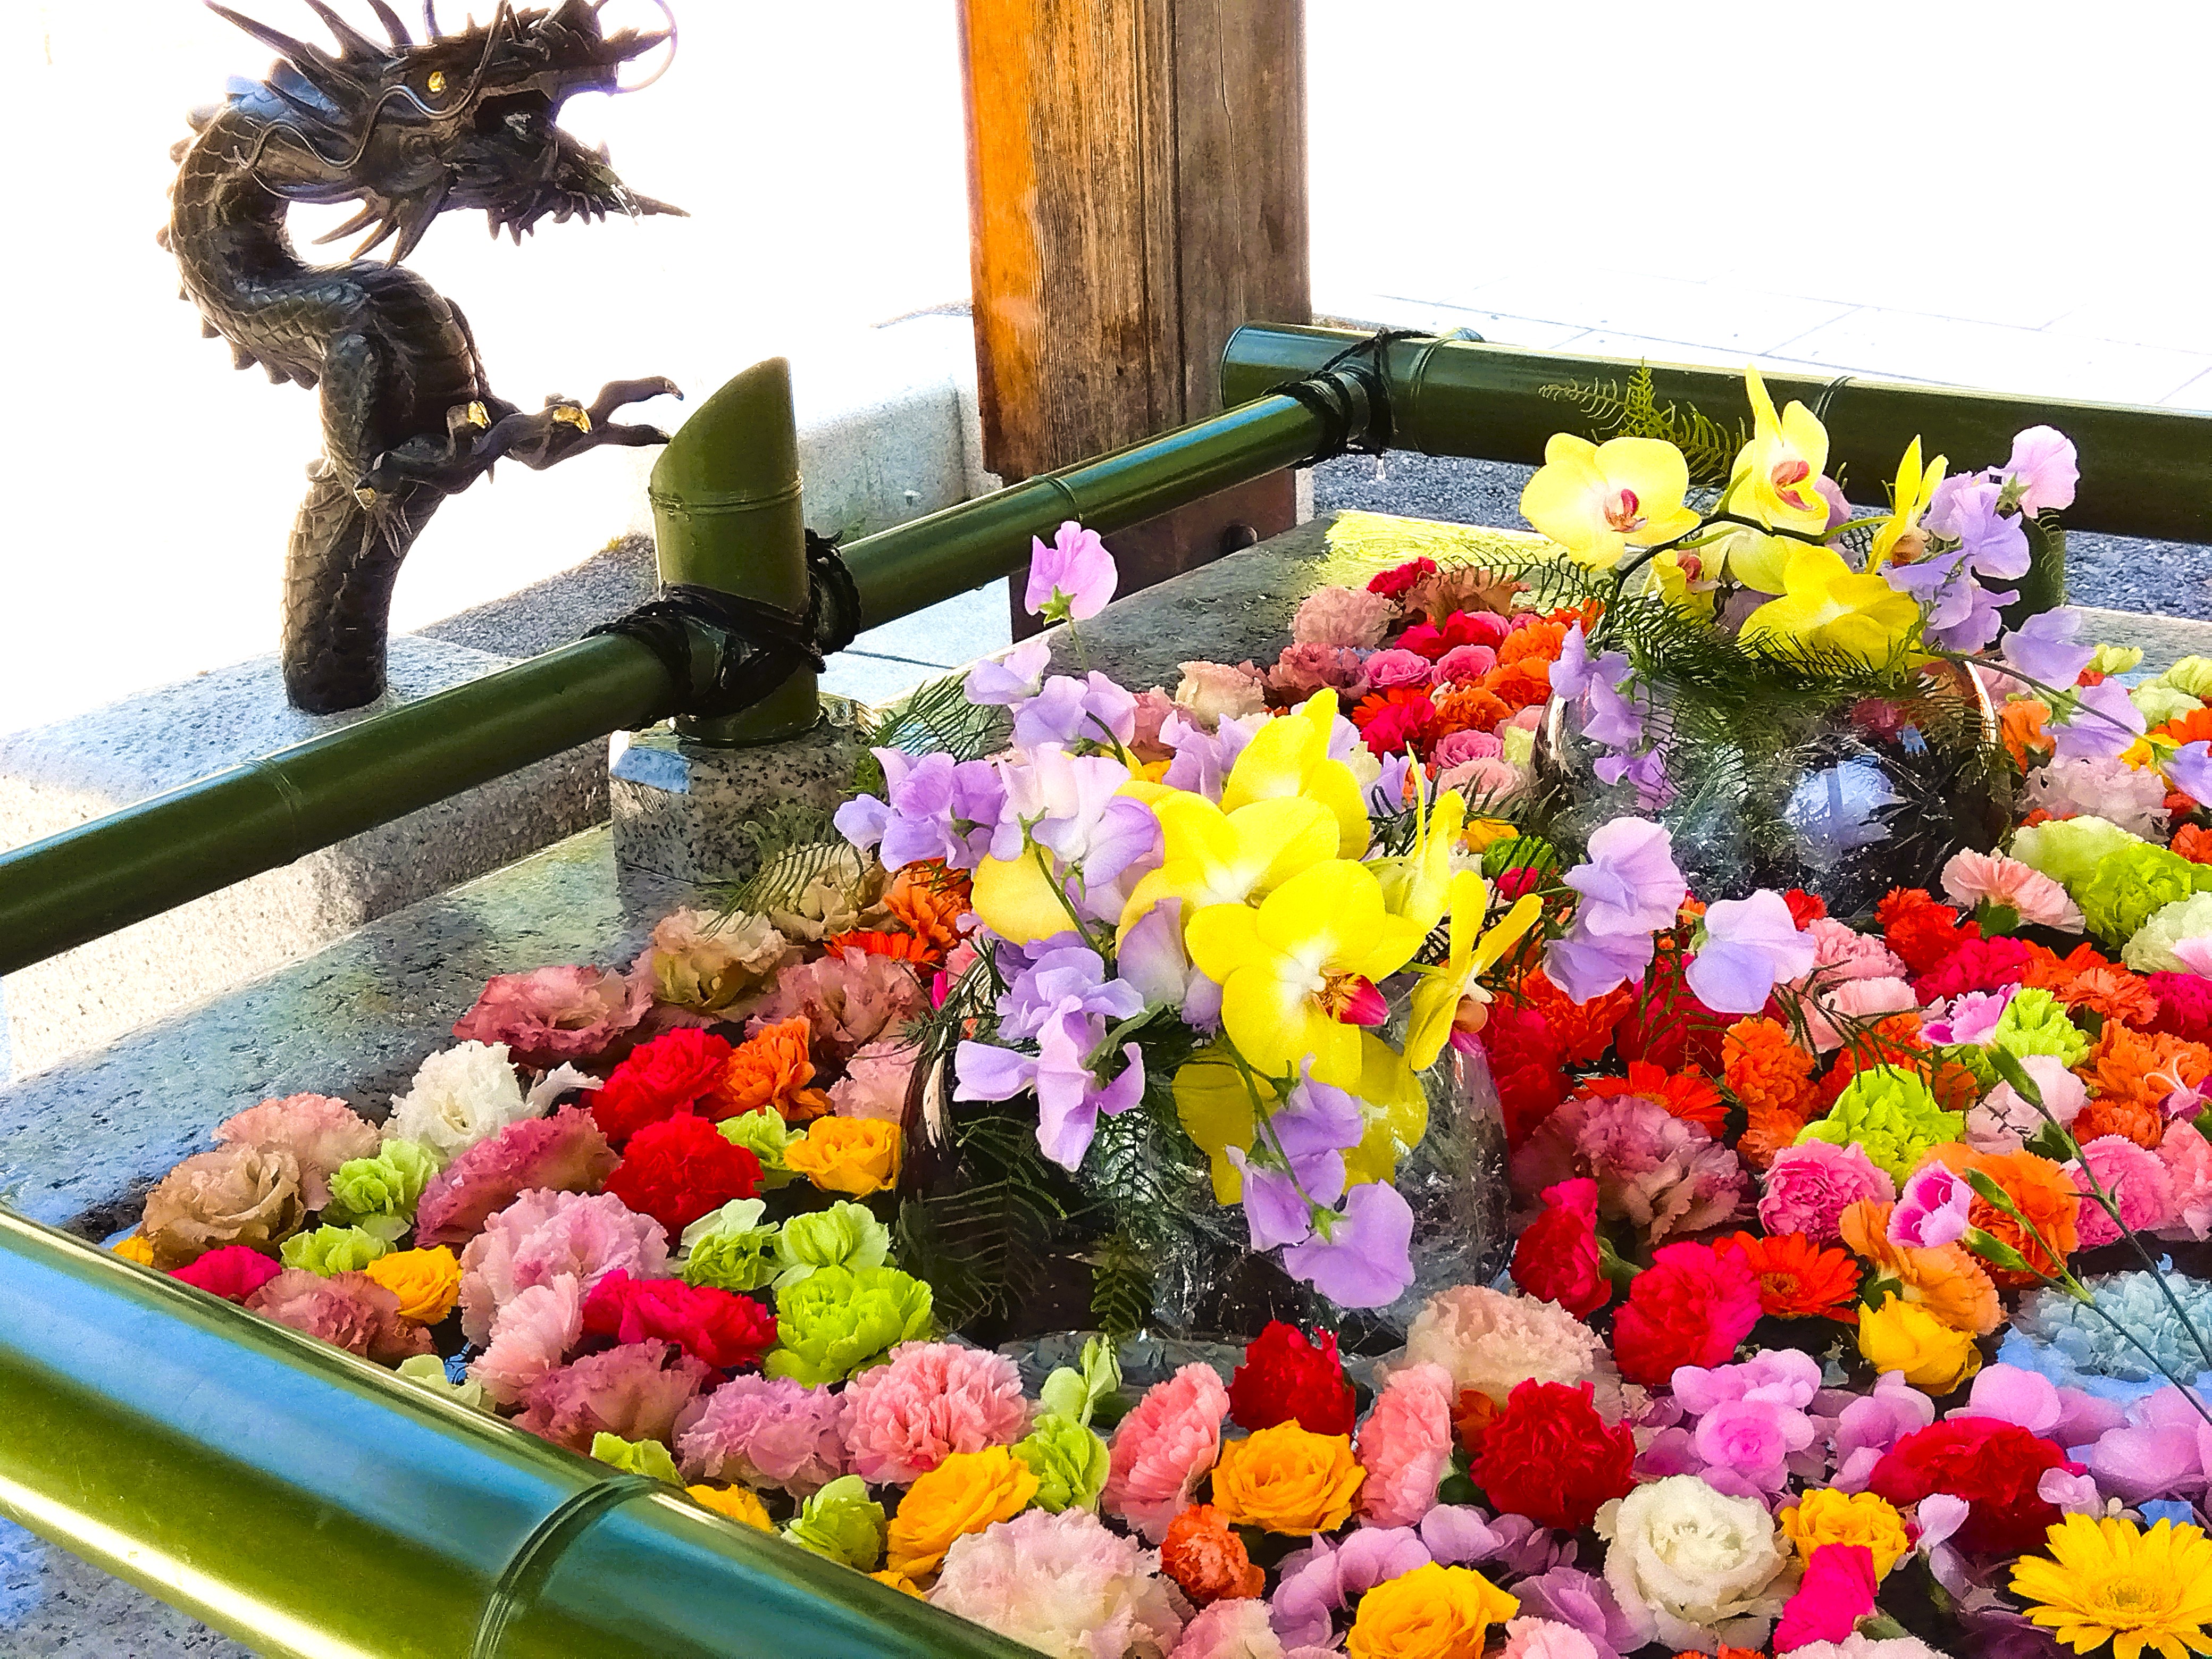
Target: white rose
x=459, y=1096
x=1692, y=1568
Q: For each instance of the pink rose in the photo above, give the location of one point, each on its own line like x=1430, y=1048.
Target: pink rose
x=1388, y=669
x=1466, y=662
x=1458, y=748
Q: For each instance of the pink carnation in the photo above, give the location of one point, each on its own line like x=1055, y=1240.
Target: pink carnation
x=1664, y=1174
x=848, y=996
x=1458, y=748
x=1236, y=1627
x=1808, y=1188
x=1857, y=1002
x=1406, y=1445
x=1304, y=669
x=636, y=1391
x=543, y=1235
x=933, y=1399
x=875, y=1082
x=566, y=1151
x=319, y=1132
x=1545, y=1638
x=1163, y=1447
x=1970, y=1016
x=1845, y=954
x=1973, y=878
x=2188, y=1159
x=1343, y=615
x=1490, y=1340
x=2003, y=1120
x=1387, y=671
x=768, y=1432
x=2100, y=787
x=1062, y=1584
x=549, y=1015
x=2133, y=1178
x=1466, y=662
x=347, y=1311
x=1484, y=781
x=532, y=1334
x=1153, y=708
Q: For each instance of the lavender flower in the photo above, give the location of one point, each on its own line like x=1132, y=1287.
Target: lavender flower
x=1010, y=677
x=1072, y=579
x=1070, y=710
x=1750, y=942
x=1067, y=805
x=2190, y=769
x=1070, y=979
x=1203, y=758
x=2104, y=722
x=938, y=808
x=1360, y=1257
x=2043, y=647
x=1070, y=1093
x=1297, y=1163
x=2042, y=471
x=1629, y=883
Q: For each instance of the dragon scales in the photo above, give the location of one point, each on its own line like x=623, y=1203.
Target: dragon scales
x=409, y=130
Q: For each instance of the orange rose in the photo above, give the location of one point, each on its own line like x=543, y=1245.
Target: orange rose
x=427, y=1282
x=855, y=1155
x=1431, y=1612
x=965, y=1493
x=735, y=1502
x=1284, y=1479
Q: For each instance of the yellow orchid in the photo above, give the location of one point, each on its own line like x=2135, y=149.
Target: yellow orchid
x=1916, y=489
x=1685, y=580
x=1437, y=993
x=1306, y=954
x=1416, y=887
x=1017, y=899
x=1826, y=606
x=1597, y=501
x=1776, y=475
x=1214, y=1099
x=1213, y=857
x=1754, y=557
x=1397, y=1112
x=1290, y=756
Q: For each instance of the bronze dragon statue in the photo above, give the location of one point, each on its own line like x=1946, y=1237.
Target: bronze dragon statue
x=410, y=130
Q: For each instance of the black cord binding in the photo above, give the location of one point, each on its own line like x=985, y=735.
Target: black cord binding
x=1330, y=399
x=768, y=643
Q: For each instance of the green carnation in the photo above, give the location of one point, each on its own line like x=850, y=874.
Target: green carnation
x=1074, y=1391
x=2134, y=884
x=1888, y=1111
x=329, y=1250
x=846, y=1234
x=728, y=1250
x=1519, y=743
x=2036, y=1023
x=837, y=1320
x=427, y=1370
x=1069, y=1461
x=2117, y=658
x=842, y=1522
x=2158, y=704
x=2192, y=674
x=765, y=1134
x=2068, y=850
x=2150, y=950
x=636, y=1456
x=389, y=1184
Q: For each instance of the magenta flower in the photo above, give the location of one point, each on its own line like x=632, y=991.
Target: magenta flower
x=1072, y=579
x=1360, y=1257
x=2042, y=471
x=1931, y=1211
x=1750, y=942
x=1752, y=1439
x=1837, y=1592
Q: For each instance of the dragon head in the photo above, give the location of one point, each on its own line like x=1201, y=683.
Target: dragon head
x=468, y=119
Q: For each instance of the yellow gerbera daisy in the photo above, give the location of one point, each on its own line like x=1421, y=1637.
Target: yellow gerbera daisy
x=2109, y=1581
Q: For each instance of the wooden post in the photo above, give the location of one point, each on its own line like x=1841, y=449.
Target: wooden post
x=1137, y=187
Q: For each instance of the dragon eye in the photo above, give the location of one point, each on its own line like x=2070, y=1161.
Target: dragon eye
x=437, y=81
x=518, y=123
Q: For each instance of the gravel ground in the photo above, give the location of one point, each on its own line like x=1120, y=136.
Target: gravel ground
x=2164, y=579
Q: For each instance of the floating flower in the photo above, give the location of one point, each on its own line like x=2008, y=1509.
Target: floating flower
x=1431, y=1612
x=2110, y=1581
x=841, y=1522
x=1164, y=1447
x=837, y=1320
x=235, y=1194
x=564, y=1153
x=1493, y=1342
x=531, y=1335
x=1061, y=1585
x=768, y=1431
x=1550, y=1457
x=1285, y=1480
x=1208, y=1560
x=636, y=1392
x=1798, y=1278
x=1836, y=1592
x=1824, y=1515
x=459, y=1097
x=678, y=1169
x=1287, y=1377
x=856, y=1155
x=1556, y=1258
x=965, y=1493
x=549, y=1015
x=1903, y=1336
x=234, y=1272
x=1691, y=1307
x=703, y=960
x=1687, y=1564
x=1405, y=1446
x=1994, y=1466
x=349, y=1311
x=720, y=1330
x=321, y=1134
x=933, y=1399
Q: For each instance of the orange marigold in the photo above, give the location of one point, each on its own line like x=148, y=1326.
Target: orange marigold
x=2020, y=723
x=2043, y=1193
x=772, y=1069
x=1798, y=1278
x=2143, y=1068
x=1773, y=1079
x=1686, y=1095
x=1201, y=1554
x=2194, y=843
x=1948, y=1281
x=930, y=900
x=1469, y=707
x=1523, y=684
x=1539, y=641
x=2114, y=992
x=1582, y=1031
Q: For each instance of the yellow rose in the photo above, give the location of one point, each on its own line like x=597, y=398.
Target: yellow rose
x=427, y=1282
x=855, y=1155
x=965, y=1493
x=901, y=1582
x=1287, y=1479
x=134, y=1248
x=1829, y=1516
x=739, y=1504
x=1900, y=1336
x=1431, y=1612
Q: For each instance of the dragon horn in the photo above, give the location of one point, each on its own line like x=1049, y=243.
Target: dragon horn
x=351, y=41
x=392, y=26
x=302, y=55
x=417, y=220
x=430, y=18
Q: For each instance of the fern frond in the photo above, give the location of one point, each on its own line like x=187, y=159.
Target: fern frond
x=1612, y=412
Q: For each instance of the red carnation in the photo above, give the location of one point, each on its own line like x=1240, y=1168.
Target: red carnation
x=2184, y=1005
x=1994, y=1465
x=660, y=1078
x=1286, y=1377
x=1461, y=628
x=1978, y=964
x=1668, y=1026
x=723, y=1329
x=1804, y=907
x=1550, y=1457
x=1557, y=1257
x=233, y=1273
x=1690, y=1307
x=1392, y=721
x=1392, y=582
x=1922, y=932
x=678, y=1170
x=1525, y=1065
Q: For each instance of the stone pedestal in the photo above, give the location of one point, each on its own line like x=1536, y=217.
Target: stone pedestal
x=683, y=810
x=55, y=777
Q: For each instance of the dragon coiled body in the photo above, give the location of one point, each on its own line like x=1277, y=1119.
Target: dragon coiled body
x=408, y=415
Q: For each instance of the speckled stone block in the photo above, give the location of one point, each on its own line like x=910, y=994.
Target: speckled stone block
x=681, y=809
x=57, y=776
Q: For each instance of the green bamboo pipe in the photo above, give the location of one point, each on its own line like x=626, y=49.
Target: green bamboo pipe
x=314, y=1506
x=2144, y=471
x=726, y=515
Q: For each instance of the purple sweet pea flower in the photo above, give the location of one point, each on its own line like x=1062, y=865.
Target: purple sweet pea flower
x=1203, y=758
x=1071, y=978
x=1586, y=965
x=2043, y=470
x=1153, y=958
x=1304, y=1166
x=1070, y=710
x=1648, y=772
x=1387, y=792
x=1067, y=804
x=1931, y=1212
x=1360, y=1257
x=1962, y=614
x=1571, y=673
x=2106, y=722
x=1070, y=1098
x=2044, y=649
x=1613, y=719
x=938, y=808
x=1982, y=622
x=1584, y=1600
x=1073, y=578
x=1629, y=882
x=1839, y=510
x=1965, y=508
x=1012, y=676
x=2188, y=768
x=1750, y=942
x=1322, y=1579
